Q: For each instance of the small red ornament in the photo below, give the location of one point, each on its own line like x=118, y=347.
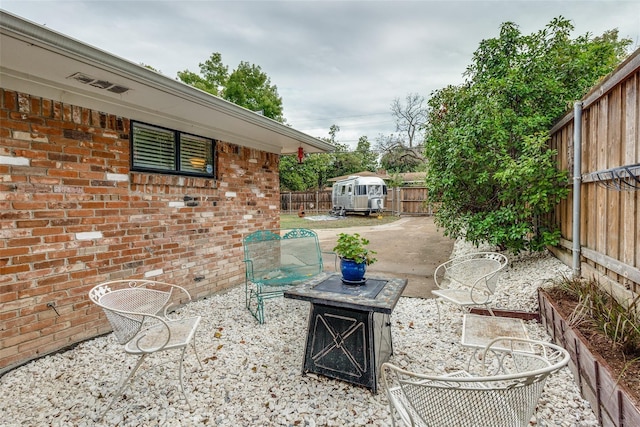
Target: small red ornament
x=300, y=154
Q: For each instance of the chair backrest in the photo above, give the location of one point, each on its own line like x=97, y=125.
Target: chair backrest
x=300, y=247
x=262, y=248
x=506, y=394
x=127, y=303
x=288, y=254
x=478, y=271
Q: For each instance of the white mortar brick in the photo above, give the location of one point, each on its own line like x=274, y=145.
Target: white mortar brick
x=28, y=136
x=89, y=235
x=120, y=177
x=15, y=161
x=153, y=273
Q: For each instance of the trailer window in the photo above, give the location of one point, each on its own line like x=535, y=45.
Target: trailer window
x=375, y=190
x=361, y=190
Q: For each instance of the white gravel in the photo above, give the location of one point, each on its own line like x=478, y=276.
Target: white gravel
x=252, y=373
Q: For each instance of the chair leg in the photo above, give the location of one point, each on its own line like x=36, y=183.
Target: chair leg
x=247, y=294
x=195, y=351
x=393, y=417
x=180, y=369
x=258, y=310
x=123, y=386
x=438, y=310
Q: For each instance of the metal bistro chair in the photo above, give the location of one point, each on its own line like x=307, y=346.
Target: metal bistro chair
x=138, y=311
x=275, y=260
x=468, y=280
x=504, y=394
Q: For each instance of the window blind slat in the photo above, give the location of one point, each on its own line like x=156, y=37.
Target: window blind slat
x=155, y=148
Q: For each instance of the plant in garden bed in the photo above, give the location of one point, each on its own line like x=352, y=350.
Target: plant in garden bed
x=597, y=308
x=611, y=328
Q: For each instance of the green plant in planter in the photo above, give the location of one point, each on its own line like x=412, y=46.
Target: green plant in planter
x=354, y=247
x=620, y=323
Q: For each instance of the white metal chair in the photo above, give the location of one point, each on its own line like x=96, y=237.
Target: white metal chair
x=468, y=280
x=138, y=311
x=504, y=393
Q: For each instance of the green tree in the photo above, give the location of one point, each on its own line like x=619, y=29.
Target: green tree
x=312, y=173
x=212, y=78
x=296, y=176
x=346, y=161
x=400, y=159
x=247, y=86
x=317, y=169
x=489, y=164
x=368, y=158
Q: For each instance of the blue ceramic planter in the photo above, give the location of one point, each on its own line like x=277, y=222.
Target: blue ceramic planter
x=351, y=270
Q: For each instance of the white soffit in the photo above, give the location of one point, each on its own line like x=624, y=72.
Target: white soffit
x=44, y=63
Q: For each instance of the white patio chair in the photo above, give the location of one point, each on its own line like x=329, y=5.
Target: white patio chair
x=468, y=280
x=138, y=311
x=504, y=393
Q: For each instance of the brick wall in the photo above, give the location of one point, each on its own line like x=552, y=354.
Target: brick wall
x=72, y=215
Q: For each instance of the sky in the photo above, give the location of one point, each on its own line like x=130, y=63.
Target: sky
x=333, y=62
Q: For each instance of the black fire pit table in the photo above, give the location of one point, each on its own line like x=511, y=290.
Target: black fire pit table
x=349, y=332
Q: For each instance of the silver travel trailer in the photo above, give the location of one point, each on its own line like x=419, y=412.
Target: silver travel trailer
x=363, y=194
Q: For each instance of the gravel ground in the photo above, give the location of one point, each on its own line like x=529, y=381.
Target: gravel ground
x=251, y=373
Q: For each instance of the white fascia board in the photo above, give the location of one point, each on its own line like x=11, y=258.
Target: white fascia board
x=25, y=43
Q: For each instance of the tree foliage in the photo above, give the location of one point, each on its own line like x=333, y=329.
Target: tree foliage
x=489, y=164
x=247, y=86
x=368, y=158
x=400, y=159
x=251, y=88
x=212, y=78
x=316, y=169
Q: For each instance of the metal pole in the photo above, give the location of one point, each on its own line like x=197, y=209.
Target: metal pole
x=577, y=182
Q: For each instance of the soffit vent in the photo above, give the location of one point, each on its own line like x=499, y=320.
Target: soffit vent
x=100, y=84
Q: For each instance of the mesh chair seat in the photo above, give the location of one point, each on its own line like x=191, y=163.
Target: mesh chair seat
x=504, y=394
x=468, y=280
x=154, y=338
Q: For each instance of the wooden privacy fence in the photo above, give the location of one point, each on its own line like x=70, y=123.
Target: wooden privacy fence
x=608, y=147
x=399, y=201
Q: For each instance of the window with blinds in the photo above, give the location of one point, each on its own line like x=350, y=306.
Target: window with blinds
x=164, y=150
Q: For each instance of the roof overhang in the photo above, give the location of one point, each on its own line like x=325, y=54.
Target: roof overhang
x=41, y=62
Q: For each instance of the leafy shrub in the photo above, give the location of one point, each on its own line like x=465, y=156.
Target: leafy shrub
x=490, y=167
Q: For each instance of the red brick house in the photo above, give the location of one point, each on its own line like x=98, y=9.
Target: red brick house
x=110, y=170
